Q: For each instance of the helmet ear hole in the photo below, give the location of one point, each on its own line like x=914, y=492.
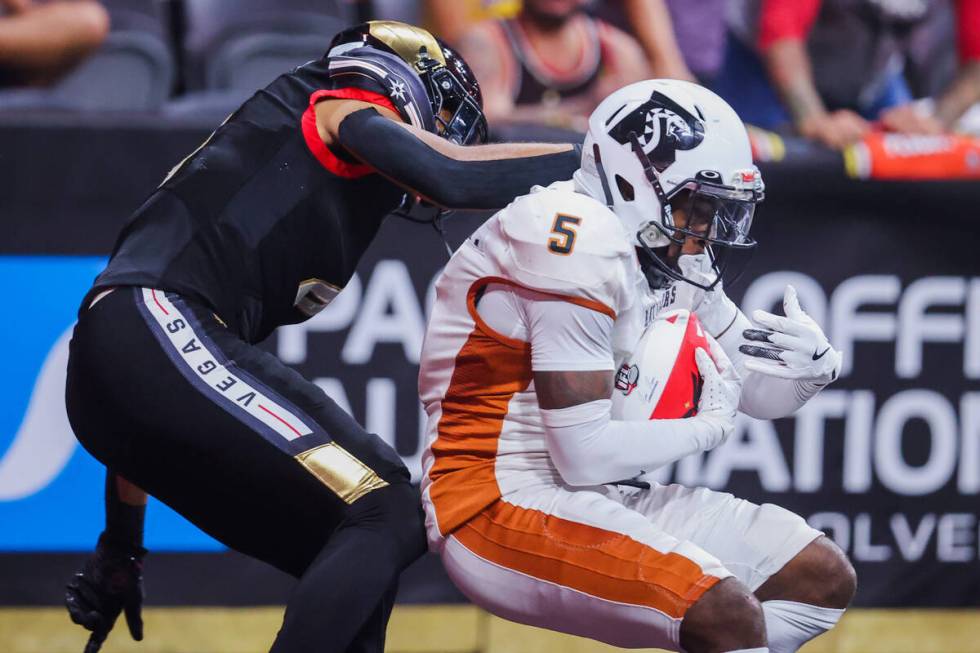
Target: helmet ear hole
x=625, y=189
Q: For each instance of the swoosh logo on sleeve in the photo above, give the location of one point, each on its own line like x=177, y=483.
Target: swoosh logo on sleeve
x=817, y=356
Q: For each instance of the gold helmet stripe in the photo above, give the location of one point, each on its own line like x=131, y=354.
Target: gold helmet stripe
x=406, y=40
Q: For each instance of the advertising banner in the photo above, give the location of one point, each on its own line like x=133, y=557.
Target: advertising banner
x=886, y=460
x=50, y=488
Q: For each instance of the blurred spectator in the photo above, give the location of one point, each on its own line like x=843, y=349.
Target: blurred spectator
x=834, y=65
x=655, y=23
x=40, y=41
x=400, y=10
x=700, y=31
x=649, y=21
x=959, y=96
x=551, y=65
x=450, y=19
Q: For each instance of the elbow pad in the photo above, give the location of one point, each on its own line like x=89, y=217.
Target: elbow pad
x=399, y=155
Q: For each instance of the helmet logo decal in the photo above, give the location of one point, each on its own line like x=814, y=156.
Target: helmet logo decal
x=397, y=90
x=663, y=127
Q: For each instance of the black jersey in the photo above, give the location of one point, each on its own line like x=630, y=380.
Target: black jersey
x=263, y=223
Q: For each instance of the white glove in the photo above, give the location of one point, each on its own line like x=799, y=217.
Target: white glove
x=800, y=350
x=713, y=307
x=719, y=396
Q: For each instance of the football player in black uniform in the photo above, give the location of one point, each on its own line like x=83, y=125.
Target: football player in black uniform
x=262, y=226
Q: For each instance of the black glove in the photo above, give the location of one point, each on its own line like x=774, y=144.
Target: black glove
x=110, y=582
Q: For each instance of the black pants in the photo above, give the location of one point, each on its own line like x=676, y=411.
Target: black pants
x=253, y=454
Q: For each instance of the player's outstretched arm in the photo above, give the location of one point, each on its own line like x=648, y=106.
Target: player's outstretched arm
x=448, y=175
x=111, y=581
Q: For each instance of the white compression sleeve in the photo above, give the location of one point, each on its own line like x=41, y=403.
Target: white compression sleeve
x=763, y=396
x=790, y=625
x=768, y=397
x=590, y=448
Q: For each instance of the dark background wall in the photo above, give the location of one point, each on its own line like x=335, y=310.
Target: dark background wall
x=887, y=460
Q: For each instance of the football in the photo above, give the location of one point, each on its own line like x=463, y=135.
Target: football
x=660, y=380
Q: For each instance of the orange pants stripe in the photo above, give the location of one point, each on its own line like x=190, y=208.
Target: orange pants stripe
x=601, y=563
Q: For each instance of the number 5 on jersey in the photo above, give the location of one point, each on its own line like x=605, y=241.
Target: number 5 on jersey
x=564, y=229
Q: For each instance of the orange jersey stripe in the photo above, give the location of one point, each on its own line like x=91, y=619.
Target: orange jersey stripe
x=601, y=563
x=488, y=371
x=580, y=301
x=487, y=375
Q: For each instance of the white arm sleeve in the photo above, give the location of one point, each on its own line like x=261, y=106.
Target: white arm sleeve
x=590, y=448
x=763, y=396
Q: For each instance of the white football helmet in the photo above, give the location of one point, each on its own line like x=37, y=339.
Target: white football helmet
x=651, y=140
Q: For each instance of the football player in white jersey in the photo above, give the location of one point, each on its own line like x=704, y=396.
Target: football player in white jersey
x=525, y=465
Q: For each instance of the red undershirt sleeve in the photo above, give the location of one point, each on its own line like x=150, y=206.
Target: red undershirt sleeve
x=345, y=169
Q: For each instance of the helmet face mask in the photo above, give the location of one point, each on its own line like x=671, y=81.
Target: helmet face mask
x=457, y=103
x=715, y=214
x=661, y=265
x=672, y=160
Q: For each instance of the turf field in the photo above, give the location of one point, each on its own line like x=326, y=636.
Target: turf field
x=454, y=629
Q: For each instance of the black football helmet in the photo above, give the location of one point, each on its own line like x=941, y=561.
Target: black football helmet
x=452, y=106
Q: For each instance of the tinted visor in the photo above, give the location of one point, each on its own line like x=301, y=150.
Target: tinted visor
x=721, y=216
x=716, y=214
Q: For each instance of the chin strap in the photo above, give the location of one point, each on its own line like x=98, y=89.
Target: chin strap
x=657, y=279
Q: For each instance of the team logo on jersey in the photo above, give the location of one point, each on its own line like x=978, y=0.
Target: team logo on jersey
x=626, y=378
x=663, y=127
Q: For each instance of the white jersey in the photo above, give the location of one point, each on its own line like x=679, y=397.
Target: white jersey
x=554, y=249
x=552, y=282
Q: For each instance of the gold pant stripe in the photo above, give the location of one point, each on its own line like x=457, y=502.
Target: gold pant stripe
x=348, y=477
